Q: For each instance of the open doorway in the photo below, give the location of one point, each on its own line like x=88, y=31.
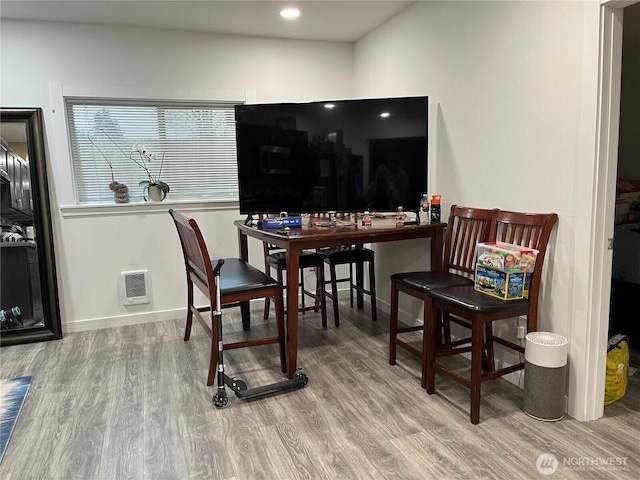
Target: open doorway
x=625, y=287
x=625, y=282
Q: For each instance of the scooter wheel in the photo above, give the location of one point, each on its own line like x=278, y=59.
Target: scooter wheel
x=238, y=385
x=220, y=401
x=304, y=382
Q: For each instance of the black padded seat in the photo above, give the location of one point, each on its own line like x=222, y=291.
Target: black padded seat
x=239, y=276
x=468, y=298
x=427, y=281
x=345, y=255
x=307, y=259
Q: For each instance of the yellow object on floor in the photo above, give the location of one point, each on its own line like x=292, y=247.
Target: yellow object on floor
x=617, y=375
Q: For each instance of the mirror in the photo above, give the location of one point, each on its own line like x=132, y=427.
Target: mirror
x=29, y=304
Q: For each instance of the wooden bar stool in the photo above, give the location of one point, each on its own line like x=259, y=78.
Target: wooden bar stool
x=353, y=256
x=240, y=282
x=529, y=230
x=275, y=258
x=466, y=227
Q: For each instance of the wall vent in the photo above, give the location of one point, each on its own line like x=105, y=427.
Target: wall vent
x=135, y=287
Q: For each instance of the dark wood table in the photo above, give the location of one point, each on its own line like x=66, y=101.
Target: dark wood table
x=312, y=236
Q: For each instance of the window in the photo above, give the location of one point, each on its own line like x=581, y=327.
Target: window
x=194, y=145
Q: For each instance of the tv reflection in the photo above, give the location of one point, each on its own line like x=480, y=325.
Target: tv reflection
x=387, y=188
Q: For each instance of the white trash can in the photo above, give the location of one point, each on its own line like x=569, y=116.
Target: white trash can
x=545, y=365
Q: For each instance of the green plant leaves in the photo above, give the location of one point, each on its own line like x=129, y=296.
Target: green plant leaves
x=164, y=188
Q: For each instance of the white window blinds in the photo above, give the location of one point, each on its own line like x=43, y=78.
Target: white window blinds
x=194, y=146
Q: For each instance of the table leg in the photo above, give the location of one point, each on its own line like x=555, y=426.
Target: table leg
x=360, y=284
x=436, y=250
x=293, y=278
x=244, y=255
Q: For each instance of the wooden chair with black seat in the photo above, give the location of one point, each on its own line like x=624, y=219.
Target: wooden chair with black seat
x=353, y=256
x=239, y=282
x=275, y=257
x=529, y=230
x=466, y=227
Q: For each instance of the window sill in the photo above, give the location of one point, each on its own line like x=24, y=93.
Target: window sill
x=97, y=210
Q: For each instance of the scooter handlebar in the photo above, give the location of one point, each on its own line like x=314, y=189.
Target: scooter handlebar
x=216, y=270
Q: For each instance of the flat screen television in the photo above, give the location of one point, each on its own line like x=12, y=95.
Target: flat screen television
x=343, y=156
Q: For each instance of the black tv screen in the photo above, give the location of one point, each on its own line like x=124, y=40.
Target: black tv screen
x=343, y=156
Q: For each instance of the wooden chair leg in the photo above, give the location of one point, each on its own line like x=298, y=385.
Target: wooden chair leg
x=320, y=294
x=278, y=300
x=393, y=324
x=488, y=361
x=302, y=300
x=187, y=328
x=438, y=340
x=477, y=348
x=351, y=283
x=267, y=306
x=267, y=301
x=372, y=291
x=334, y=295
x=360, y=283
x=267, y=270
x=446, y=326
x=280, y=279
x=317, y=301
x=429, y=346
x=246, y=315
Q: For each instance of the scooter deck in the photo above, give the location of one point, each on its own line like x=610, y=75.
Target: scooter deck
x=300, y=380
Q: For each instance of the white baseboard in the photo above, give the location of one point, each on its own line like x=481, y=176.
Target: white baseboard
x=122, y=320
x=84, y=325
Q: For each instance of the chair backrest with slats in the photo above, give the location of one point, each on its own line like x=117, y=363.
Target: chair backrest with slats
x=194, y=249
x=467, y=227
x=531, y=230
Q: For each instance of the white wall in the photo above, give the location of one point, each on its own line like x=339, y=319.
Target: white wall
x=510, y=126
x=93, y=246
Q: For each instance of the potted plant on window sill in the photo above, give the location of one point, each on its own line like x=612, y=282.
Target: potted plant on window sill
x=154, y=189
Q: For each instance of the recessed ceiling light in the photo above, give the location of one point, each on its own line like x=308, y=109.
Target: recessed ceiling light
x=329, y=106
x=290, y=13
x=385, y=114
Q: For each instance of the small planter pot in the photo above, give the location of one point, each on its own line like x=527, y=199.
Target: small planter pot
x=155, y=194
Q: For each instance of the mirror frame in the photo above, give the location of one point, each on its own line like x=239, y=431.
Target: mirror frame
x=52, y=329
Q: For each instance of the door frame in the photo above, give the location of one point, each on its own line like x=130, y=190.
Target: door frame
x=607, y=130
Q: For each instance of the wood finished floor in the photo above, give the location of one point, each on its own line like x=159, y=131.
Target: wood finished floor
x=131, y=403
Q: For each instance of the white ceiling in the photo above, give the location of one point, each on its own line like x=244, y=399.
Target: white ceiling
x=344, y=21
x=13, y=132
